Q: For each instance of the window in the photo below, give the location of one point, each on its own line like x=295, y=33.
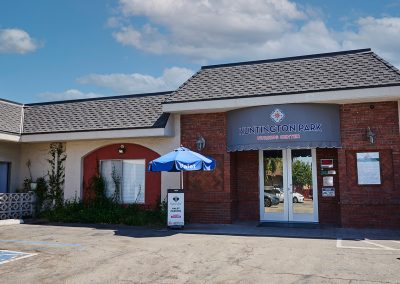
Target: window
x=131, y=177
x=4, y=177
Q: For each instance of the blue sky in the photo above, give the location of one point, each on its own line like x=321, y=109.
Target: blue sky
x=54, y=50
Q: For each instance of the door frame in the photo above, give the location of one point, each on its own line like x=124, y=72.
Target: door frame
x=288, y=215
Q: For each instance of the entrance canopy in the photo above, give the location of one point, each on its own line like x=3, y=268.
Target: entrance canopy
x=284, y=126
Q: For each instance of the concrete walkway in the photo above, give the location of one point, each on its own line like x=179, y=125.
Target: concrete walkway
x=254, y=229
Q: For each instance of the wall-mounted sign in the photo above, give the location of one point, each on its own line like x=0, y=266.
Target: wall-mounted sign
x=283, y=126
x=328, y=192
x=326, y=163
x=176, y=212
x=328, y=172
x=368, y=168
x=327, y=181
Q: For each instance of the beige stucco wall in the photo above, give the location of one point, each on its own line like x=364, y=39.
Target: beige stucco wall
x=76, y=150
x=10, y=152
x=37, y=153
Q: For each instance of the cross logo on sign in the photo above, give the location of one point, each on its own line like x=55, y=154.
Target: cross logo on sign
x=277, y=115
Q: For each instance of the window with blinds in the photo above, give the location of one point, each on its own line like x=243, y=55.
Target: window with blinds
x=129, y=174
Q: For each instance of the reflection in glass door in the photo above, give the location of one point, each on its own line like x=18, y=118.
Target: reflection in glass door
x=287, y=179
x=275, y=182
x=301, y=185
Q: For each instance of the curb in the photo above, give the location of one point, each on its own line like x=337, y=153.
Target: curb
x=11, y=222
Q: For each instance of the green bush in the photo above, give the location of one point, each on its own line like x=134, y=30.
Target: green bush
x=104, y=210
x=41, y=193
x=111, y=213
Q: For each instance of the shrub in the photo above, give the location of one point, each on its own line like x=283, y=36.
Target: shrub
x=106, y=213
x=41, y=193
x=104, y=210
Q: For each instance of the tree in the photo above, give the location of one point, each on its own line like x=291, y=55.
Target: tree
x=271, y=165
x=301, y=174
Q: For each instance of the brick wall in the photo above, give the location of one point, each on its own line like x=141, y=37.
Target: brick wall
x=231, y=191
x=248, y=193
x=208, y=195
x=377, y=205
x=328, y=207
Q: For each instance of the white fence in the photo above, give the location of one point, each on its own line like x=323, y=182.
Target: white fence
x=16, y=205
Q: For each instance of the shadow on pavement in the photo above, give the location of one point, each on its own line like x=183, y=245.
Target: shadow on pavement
x=246, y=229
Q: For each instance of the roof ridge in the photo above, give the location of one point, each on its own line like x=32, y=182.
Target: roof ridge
x=11, y=102
x=394, y=68
x=100, y=98
x=182, y=85
x=291, y=58
x=287, y=93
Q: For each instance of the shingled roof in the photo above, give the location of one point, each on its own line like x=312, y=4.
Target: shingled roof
x=111, y=113
x=322, y=72
x=10, y=117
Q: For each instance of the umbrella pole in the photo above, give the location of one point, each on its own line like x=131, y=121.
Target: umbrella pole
x=181, y=179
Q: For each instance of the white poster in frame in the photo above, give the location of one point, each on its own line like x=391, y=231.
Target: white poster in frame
x=368, y=168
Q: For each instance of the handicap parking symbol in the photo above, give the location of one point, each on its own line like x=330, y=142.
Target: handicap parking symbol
x=9, y=255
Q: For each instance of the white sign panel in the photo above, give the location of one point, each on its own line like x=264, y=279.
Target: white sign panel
x=368, y=168
x=328, y=192
x=176, y=204
x=327, y=181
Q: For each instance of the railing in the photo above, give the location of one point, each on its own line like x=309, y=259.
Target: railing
x=16, y=205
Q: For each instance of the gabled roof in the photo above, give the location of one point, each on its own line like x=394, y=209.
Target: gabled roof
x=10, y=117
x=107, y=113
x=352, y=69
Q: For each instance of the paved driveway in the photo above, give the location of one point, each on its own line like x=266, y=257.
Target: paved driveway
x=199, y=254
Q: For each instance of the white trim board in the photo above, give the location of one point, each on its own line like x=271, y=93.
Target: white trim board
x=89, y=135
x=94, y=135
x=332, y=97
x=168, y=131
x=10, y=137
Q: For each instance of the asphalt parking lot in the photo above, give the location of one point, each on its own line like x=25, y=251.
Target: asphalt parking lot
x=241, y=253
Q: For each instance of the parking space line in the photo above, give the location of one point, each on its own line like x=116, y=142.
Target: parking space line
x=378, y=245
x=51, y=244
x=339, y=244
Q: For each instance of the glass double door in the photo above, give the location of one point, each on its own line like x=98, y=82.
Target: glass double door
x=288, y=185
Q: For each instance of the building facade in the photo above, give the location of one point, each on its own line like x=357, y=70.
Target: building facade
x=301, y=139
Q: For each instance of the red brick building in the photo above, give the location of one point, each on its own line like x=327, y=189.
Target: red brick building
x=354, y=180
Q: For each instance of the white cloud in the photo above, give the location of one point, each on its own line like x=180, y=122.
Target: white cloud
x=246, y=29
x=313, y=37
x=205, y=29
x=16, y=41
x=139, y=83
x=382, y=34
x=70, y=94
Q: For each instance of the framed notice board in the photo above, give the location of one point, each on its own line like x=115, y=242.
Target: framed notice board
x=368, y=168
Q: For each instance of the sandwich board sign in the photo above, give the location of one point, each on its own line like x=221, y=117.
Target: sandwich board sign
x=176, y=212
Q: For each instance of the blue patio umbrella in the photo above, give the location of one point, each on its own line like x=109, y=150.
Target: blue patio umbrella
x=182, y=159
